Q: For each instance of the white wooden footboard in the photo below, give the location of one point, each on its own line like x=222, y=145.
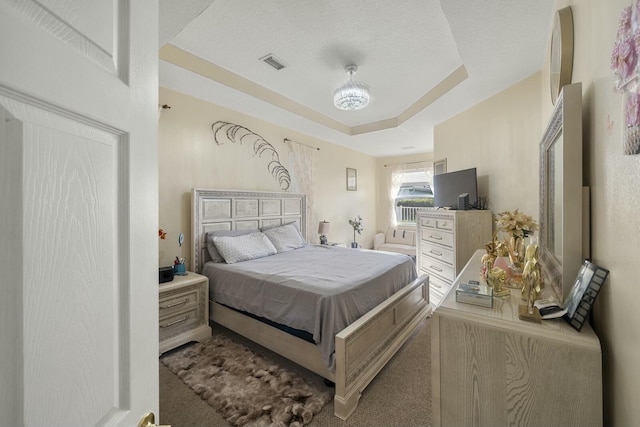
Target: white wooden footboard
x=365, y=346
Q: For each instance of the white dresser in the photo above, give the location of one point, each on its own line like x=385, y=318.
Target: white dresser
x=489, y=368
x=184, y=311
x=446, y=241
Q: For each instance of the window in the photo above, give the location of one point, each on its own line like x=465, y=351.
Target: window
x=415, y=192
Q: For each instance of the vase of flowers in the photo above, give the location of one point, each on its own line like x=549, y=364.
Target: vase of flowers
x=517, y=226
x=358, y=226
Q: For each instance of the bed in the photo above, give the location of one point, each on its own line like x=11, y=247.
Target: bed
x=349, y=356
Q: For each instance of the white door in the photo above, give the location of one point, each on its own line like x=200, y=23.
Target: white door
x=78, y=212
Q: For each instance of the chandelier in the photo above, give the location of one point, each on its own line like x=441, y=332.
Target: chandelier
x=352, y=95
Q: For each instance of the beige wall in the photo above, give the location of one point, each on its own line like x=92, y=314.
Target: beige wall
x=189, y=157
x=615, y=203
x=499, y=137
x=503, y=121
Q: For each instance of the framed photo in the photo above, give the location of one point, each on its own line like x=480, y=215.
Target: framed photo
x=583, y=294
x=352, y=179
x=440, y=166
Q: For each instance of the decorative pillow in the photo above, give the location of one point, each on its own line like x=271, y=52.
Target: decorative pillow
x=285, y=237
x=211, y=247
x=245, y=247
x=269, y=227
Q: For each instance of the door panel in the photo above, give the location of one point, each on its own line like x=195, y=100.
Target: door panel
x=74, y=295
x=78, y=94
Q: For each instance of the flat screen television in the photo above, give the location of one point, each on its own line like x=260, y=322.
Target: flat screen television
x=448, y=186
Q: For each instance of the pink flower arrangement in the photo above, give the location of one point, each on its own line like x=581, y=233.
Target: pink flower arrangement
x=625, y=66
x=632, y=110
x=624, y=62
x=624, y=56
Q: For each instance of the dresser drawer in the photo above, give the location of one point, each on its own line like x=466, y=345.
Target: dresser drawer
x=444, y=224
x=436, y=296
x=439, y=284
x=440, y=237
x=438, y=252
x=428, y=222
x=179, y=322
x=438, y=288
x=432, y=266
x=178, y=301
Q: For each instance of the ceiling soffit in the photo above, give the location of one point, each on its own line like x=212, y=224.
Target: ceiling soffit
x=195, y=64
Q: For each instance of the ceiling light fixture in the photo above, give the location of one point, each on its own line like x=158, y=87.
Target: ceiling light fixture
x=352, y=95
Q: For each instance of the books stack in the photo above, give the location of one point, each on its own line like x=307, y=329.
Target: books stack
x=475, y=293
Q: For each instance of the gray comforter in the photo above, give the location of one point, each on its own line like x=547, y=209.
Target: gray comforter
x=318, y=289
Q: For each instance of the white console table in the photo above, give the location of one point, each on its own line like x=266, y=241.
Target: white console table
x=489, y=368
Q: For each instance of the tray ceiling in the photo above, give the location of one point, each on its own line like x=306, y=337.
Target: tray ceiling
x=424, y=60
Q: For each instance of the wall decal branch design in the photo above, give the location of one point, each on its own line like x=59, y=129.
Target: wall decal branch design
x=240, y=134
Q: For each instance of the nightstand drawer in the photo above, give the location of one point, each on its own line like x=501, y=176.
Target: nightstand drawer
x=179, y=322
x=177, y=302
x=183, y=306
x=439, y=237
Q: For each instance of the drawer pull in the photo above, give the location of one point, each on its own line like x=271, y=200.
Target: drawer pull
x=175, y=322
x=436, y=268
x=436, y=237
x=175, y=304
x=436, y=253
x=436, y=286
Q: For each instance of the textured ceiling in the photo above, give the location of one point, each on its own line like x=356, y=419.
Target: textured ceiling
x=424, y=60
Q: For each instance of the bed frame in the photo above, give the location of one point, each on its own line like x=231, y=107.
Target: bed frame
x=362, y=349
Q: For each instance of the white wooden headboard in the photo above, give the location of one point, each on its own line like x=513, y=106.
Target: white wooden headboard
x=213, y=210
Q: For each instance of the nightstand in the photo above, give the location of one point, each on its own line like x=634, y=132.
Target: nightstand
x=184, y=311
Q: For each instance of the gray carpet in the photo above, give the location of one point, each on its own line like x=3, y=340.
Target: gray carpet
x=399, y=396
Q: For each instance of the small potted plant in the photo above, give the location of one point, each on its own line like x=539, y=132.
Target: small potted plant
x=358, y=226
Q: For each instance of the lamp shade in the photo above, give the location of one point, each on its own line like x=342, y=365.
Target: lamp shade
x=323, y=227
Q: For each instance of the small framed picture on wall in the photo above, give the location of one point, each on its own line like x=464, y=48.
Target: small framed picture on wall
x=440, y=167
x=352, y=179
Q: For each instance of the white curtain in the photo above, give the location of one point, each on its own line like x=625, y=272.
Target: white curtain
x=303, y=159
x=394, y=180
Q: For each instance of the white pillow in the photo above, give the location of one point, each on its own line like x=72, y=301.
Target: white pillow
x=285, y=238
x=242, y=248
x=211, y=247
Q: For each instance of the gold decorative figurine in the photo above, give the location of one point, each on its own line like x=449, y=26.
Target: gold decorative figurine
x=496, y=278
x=532, y=284
x=531, y=277
x=488, y=259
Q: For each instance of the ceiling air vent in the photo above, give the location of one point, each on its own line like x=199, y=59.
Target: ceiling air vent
x=273, y=61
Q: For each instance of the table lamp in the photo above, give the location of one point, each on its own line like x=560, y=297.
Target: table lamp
x=323, y=229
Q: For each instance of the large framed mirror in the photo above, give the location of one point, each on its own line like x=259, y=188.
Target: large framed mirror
x=561, y=209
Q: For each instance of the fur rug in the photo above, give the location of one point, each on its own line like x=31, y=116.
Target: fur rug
x=245, y=388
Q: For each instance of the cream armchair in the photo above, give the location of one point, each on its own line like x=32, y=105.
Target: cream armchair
x=394, y=240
